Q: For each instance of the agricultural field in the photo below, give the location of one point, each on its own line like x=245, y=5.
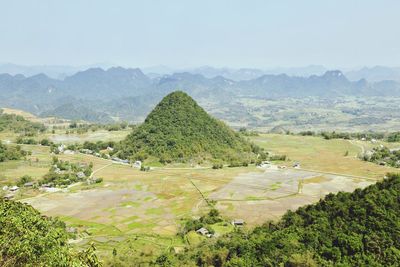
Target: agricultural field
x=348, y=114
x=140, y=213
x=100, y=135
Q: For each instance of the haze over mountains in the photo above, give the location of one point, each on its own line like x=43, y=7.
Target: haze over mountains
x=102, y=95
x=371, y=74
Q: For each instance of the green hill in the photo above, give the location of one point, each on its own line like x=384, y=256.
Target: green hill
x=178, y=129
x=347, y=229
x=28, y=238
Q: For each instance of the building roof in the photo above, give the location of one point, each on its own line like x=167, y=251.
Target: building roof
x=202, y=231
x=14, y=188
x=29, y=184
x=238, y=221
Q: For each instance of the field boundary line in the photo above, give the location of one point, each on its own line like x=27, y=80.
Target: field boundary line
x=337, y=174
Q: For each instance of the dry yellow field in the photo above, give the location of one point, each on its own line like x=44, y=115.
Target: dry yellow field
x=315, y=153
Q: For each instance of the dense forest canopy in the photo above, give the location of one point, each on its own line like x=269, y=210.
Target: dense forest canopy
x=28, y=238
x=179, y=129
x=347, y=229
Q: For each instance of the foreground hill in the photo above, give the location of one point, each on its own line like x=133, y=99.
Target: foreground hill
x=178, y=129
x=347, y=229
x=29, y=239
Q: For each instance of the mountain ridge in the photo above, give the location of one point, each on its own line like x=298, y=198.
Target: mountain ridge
x=96, y=89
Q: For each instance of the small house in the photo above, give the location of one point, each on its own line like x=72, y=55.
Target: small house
x=80, y=175
x=110, y=148
x=14, y=188
x=238, y=222
x=8, y=196
x=61, y=148
x=86, y=151
x=29, y=184
x=137, y=164
x=202, y=231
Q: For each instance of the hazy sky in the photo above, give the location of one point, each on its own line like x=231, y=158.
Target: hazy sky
x=187, y=33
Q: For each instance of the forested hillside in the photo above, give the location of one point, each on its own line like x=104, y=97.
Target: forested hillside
x=347, y=229
x=28, y=238
x=178, y=129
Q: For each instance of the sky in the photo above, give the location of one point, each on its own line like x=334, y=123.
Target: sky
x=188, y=33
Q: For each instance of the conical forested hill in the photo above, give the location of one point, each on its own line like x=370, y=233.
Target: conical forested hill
x=178, y=129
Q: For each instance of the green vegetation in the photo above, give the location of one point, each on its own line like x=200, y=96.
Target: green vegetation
x=212, y=217
x=394, y=137
x=29, y=239
x=345, y=135
x=245, y=132
x=63, y=173
x=347, y=229
x=81, y=128
x=179, y=130
x=383, y=156
x=11, y=153
x=18, y=124
x=24, y=179
x=26, y=141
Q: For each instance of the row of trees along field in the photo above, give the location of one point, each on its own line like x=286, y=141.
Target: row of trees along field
x=389, y=137
x=347, y=229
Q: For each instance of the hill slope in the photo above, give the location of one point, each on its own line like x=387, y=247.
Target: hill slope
x=28, y=238
x=179, y=129
x=347, y=229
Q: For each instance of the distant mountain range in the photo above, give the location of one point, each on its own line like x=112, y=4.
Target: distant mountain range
x=128, y=94
x=375, y=74
x=371, y=74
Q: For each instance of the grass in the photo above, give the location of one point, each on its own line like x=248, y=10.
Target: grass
x=194, y=238
x=276, y=186
x=222, y=228
x=35, y=165
x=316, y=153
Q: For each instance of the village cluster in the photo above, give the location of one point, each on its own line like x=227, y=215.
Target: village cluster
x=62, y=149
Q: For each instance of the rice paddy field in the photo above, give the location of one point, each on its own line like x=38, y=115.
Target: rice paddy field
x=140, y=213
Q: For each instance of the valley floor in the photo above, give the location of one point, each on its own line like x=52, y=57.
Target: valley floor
x=141, y=212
